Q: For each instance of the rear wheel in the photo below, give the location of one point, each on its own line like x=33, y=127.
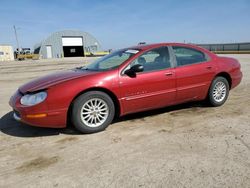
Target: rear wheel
x=92, y=112
x=218, y=91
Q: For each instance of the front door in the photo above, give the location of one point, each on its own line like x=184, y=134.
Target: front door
x=154, y=87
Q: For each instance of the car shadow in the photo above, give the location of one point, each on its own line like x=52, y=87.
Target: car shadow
x=11, y=127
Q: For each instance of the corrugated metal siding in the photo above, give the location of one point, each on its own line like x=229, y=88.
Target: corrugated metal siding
x=55, y=40
x=244, y=46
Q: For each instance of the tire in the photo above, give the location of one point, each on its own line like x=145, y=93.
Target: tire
x=92, y=112
x=218, y=91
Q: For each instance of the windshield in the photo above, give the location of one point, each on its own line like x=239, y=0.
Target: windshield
x=112, y=60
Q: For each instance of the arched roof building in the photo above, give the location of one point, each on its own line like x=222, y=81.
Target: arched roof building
x=68, y=43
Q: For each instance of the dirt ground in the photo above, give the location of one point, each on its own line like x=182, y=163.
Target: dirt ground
x=188, y=145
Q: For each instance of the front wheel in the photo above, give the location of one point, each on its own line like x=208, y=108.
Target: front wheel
x=92, y=112
x=218, y=91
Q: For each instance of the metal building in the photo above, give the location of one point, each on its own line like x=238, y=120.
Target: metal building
x=68, y=43
x=6, y=53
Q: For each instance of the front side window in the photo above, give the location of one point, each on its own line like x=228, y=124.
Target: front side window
x=112, y=61
x=187, y=56
x=156, y=59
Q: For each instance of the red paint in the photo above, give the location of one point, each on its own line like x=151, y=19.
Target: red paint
x=146, y=91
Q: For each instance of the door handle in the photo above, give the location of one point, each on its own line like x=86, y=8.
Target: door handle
x=209, y=67
x=168, y=73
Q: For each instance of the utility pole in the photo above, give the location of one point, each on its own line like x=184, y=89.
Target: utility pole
x=18, y=47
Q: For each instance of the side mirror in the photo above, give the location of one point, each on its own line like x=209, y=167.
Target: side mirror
x=134, y=69
x=137, y=68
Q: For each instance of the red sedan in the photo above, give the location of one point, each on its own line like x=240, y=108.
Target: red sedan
x=129, y=80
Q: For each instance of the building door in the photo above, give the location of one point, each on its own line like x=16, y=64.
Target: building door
x=49, y=51
x=72, y=46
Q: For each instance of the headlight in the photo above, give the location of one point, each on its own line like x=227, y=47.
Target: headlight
x=33, y=99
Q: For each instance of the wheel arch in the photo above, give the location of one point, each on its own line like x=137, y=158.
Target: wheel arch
x=101, y=89
x=225, y=75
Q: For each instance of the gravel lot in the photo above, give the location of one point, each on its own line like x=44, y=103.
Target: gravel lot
x=187, y=145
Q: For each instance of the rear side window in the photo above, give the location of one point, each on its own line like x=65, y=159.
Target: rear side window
x=188, y=56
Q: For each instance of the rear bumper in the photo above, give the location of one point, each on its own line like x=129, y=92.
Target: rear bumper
x=236, y=79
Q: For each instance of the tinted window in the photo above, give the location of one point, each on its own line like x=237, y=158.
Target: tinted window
x=187, y=56
x=156, y=59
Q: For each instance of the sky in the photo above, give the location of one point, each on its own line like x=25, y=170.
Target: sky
x=122, y=23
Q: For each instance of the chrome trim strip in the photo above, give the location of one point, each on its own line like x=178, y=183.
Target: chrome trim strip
x=16, y=117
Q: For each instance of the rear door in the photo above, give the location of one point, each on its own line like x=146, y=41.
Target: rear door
x=194, y=72
x=154, y=87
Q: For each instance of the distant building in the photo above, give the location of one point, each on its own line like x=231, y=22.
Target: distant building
x=228, y=47
x=6, y=53
x=68, y=43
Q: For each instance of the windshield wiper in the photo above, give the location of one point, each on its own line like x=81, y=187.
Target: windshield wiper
x=85, y=68
x=82, y=68
x=79, y=67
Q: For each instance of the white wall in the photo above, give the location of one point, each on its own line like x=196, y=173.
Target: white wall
x=6, y=53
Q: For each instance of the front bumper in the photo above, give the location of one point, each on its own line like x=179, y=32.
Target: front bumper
x=16, y=116
x=38, y=115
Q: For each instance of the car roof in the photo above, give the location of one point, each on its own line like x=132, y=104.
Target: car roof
x=156, y=45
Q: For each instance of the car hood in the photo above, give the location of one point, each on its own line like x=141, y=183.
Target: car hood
x=53, y=79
